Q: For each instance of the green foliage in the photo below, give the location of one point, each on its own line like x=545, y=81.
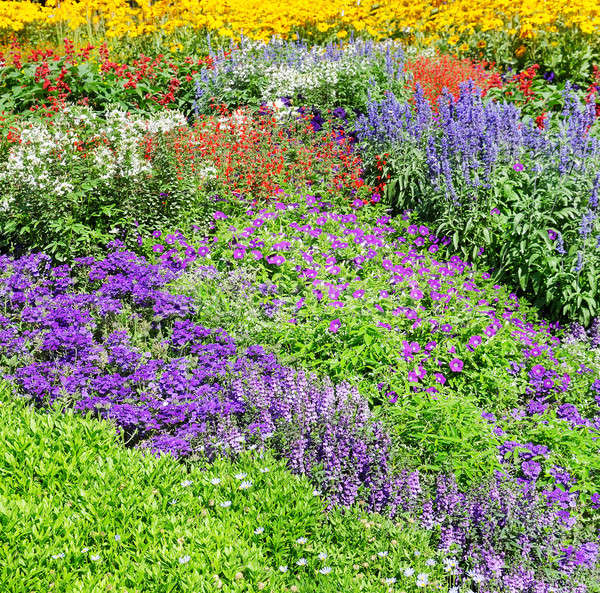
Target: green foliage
x=79, y=512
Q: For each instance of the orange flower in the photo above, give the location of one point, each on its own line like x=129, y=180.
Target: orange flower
x=520, y=51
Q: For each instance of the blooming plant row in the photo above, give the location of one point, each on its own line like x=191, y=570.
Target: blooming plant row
x=73, y=180
x=518, y=196
x=262, y=20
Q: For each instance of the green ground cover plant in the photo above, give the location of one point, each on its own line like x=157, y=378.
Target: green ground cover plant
x=81, y=513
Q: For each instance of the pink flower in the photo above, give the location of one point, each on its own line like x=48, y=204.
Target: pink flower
x=335, y=325
x=518, y=167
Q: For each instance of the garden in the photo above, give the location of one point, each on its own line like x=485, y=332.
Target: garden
x=299, y=297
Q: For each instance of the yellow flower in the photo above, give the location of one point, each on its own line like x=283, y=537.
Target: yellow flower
x=481, y=44
x=520, y=51
x=453, y=40
x=341, y=34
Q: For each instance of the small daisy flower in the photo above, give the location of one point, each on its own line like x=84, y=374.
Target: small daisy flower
x=325, y=570
x=264, y=470
x=225, y=504
x=186, y=483
x=59, y=555
x=117, y=537
x=316, y=492
x=302, y=562
x=245, y=484
x=215, y=481
x=283, y=569
x=408, y=572
x=301, y=540
x=184, y=559
x=430, y=562
x=84, y=550
x=417, y=553
x=240, y=476
x=422, y=579
x=174, y=501
x=322, y=555
x=449, y=564
x=382, y=554
x=390, y=580
x=95, y=557
x=259, y=530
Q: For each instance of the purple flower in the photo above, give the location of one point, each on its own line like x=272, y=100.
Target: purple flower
x=474, y=341
x=335, y=325
x=276, y=260
x=518, y=167
x=456, y=365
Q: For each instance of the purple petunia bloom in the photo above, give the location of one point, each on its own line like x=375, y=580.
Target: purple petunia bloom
x=456, y=365
x=518, y=167
x=335, y=325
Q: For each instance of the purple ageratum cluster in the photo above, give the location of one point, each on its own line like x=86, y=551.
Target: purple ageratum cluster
x=180, y=388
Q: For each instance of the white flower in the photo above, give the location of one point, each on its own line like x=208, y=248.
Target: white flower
x=390, y=580
x=449, y=564
x=184, y=559
x=215, y=481
x=316, y=492
x=382, y=554
x=84, y=550
x=476, y=576
x=422, y=579
x=95, y=557
x=325, y=570
x=59, y=555
x=283, y=568
x=117, y=537
x=301, y=561
x=225, y=504
x=301, y=540
x=240, y=476
x=322, y=555
x=408, y=572
x=174, y=501
x=454, y=590
x=245, y=484
x=430, y=562
x=259, y=530
x=186, y=483
x=417, y=553
x=264, y=470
